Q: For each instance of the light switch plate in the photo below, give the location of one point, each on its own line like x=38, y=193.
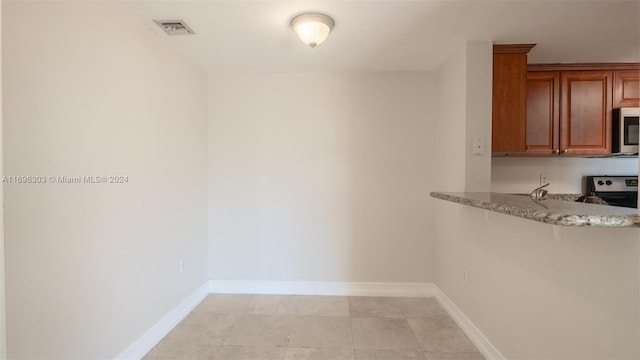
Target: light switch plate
x=478, y=146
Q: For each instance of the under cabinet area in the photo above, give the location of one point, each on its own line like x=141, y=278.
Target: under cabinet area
x=567, y=108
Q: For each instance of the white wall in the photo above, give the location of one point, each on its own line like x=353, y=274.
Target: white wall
x=89, y=90
x=520, y=175
x=464, y=98
x=321, y=177
x=539, y=291
x=535, y=290
x=3, y=322
x=451, y=140
x=479, y=77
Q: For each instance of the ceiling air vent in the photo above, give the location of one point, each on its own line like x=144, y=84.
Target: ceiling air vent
x=174, y=27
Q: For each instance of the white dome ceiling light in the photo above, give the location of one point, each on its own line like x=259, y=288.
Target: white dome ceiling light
x=312, y=28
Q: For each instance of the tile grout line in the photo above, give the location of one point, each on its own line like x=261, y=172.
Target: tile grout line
x=353, y=340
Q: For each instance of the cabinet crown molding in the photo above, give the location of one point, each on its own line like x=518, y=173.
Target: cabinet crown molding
x=583, y=66
x=512, y=48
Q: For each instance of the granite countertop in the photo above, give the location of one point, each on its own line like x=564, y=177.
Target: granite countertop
x=556, y=209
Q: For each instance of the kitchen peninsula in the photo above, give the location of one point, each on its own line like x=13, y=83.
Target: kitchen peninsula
x=556, y=210
x=533, y=290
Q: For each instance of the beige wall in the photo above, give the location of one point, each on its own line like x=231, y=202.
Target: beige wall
x=451, y=140
x=3, y=322
x=535, y=290
x=89, y=90
x=464, y=98
x=479, y=71
x=321, y=177
x=538, y=291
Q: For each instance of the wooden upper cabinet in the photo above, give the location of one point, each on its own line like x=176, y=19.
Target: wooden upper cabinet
x=543, y=113
x=585, y=123
x=509, y=98
x=557, y=109
x=626, y=88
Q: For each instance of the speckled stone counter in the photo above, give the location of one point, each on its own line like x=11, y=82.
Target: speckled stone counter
x=550, y=211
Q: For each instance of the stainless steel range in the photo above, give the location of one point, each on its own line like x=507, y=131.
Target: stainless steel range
x=615, y=190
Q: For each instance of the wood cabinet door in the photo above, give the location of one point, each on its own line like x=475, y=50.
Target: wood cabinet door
x=585, y=113
x=626, y=88
x=509, y=97
x=543, y=113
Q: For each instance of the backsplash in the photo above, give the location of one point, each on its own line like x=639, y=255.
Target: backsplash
x=519, y=174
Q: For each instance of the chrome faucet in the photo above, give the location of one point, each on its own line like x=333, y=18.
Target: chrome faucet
x=539, y=193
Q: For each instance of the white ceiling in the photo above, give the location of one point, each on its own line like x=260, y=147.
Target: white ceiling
x=254, y=36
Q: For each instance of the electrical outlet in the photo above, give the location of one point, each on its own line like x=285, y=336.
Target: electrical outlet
x=181, y=267
x=544, y=179
x=465, y=275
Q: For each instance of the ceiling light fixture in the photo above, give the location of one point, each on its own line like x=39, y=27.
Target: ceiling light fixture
x=312, y=28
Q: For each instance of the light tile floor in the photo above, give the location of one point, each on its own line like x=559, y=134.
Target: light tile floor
x=277, y=327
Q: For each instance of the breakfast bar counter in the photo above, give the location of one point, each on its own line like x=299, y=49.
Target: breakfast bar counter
x=556, y=209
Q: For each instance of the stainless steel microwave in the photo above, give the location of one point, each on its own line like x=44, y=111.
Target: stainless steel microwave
x=625, y=130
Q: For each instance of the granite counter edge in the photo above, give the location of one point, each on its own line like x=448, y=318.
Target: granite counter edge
x=549, y=217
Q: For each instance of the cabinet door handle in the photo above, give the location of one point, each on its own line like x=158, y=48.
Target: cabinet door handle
x=557, y=151
x=565, y=151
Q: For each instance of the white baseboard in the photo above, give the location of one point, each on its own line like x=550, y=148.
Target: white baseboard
x=152, y=337
x=322, y=288
x=474, y=334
